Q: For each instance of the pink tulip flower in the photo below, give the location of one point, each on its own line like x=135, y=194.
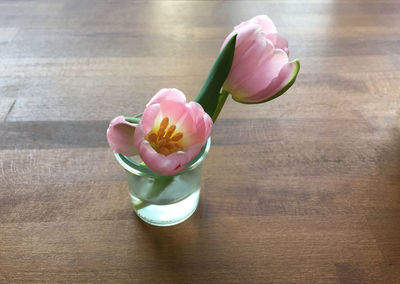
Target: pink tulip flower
x=171, y=132
x=120, y=136
x=260, y=69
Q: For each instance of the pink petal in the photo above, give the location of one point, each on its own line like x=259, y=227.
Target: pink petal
x=268, y=69
x=147, y=153
x=194, y=150
x=263, y=21
x=208, y=124
x=189, y=118
x=248, y=62
x=179, y=160
x=120, y=135
x=245, y=36
x=279, y=42
x=176, y=111
x=204, y=128
x=139, y=136
x=194, y=111
x=149, y=117
x=201, y=125
x=165, y=165
x=260, y=68
x=167, y=94
x=286, y=76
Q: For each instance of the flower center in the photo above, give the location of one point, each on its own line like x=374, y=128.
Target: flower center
x=166, y=140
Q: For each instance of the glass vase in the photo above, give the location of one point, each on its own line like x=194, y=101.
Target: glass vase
x=164, y=200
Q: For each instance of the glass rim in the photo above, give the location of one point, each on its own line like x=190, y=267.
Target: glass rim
x=138, y=169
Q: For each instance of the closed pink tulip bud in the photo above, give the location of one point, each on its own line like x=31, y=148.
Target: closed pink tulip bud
x=171, y=132
x=120, y=136
x=261, y=69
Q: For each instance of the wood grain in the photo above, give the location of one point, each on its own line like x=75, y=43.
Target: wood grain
x=304, y=189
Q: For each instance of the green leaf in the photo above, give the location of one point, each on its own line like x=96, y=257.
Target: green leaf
x=281, y=91
x=160, y=183
x=134, y=120
x=221, y=101
x=209, y=93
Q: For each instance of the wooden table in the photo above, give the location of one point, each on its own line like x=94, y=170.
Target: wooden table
x=304, y=189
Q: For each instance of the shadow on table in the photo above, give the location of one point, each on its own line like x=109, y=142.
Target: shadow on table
x=191, y=250
x=383, y=220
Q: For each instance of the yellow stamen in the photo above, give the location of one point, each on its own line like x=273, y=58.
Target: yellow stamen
x=165, y=140
x=152, y=137
x=164, y=151
x=178, y=136
x=164, y=122
x=162, y=142
x=161, y=132
x=170, y=145
x=178, y=146
x=171, y=130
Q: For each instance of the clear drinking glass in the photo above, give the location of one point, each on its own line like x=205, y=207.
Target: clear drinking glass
x=164, y=200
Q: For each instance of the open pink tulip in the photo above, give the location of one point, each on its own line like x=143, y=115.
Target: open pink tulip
x=260, y=69
x=120, y=136
x=171, y=132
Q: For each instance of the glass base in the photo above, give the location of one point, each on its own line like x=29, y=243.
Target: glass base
x=166, y=215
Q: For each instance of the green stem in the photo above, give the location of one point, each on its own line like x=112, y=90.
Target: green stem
x=159, y=185
x=221, y=101
x=140, y=205
x=160, y=182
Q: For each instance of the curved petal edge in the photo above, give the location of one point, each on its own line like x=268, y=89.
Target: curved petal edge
x=120, y=135
x=278, y=86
